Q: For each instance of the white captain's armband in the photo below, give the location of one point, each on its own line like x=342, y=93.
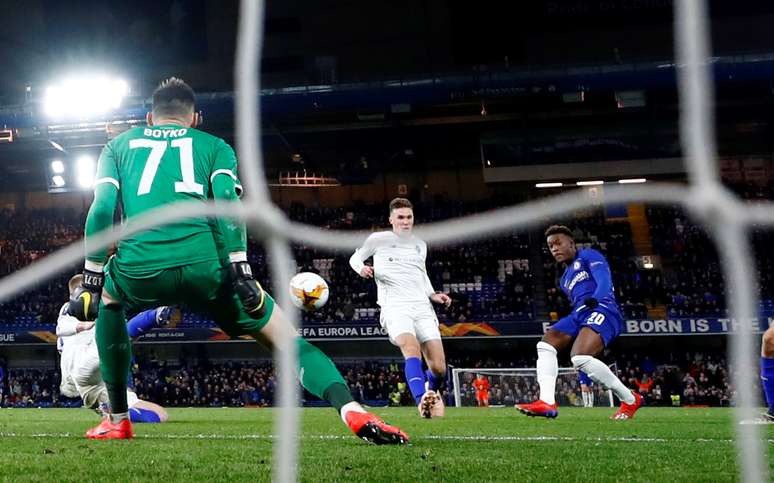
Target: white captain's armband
x=227, y=172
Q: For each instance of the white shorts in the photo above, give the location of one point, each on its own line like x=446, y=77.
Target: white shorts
x=85, y=369
x=131, y=398
x=80, y=365
x=418, y=320
x=81, y=374
x=67, y=387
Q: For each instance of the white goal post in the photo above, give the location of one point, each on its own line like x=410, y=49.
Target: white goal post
x=513, y=385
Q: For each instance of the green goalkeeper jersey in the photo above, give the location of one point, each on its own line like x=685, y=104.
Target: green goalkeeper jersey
x=155, y=166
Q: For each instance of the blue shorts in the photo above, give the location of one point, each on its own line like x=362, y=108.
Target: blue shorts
x=583, y=378
x=607, y=323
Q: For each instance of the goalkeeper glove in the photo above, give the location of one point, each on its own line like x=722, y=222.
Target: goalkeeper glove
x=591, y=303
x=248, y=290
x=84, y=302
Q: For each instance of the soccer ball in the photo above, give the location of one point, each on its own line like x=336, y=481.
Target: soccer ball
x=308, y=291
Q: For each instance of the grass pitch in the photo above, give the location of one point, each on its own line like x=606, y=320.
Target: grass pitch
x=470, y=444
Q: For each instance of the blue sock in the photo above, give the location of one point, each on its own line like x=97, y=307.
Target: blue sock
x=141, y=323
x=143, y=416
x=130, y=376
x=415, y=377
x=767, y=380
x=435, y=381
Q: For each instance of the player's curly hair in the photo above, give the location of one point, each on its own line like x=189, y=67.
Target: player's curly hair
x=558, y=230
x=400, y=203
x=173, y=97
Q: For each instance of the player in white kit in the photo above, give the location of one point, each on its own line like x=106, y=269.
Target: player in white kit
x=404, y=293
x=79, y=363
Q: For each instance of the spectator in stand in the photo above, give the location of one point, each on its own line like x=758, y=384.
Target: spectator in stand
x=644, y=385
x=690, y=284
x=205, y=383
x=28, y=235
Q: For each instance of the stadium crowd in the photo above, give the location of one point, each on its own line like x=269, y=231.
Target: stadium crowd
x=673, y=379
x=489, y=279
x=493, y=279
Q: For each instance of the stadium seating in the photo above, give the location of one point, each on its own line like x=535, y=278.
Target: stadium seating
x=696, y=378
x=491, y=279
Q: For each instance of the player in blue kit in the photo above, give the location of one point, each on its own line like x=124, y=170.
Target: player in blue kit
x=594, y=322
x=587, y=390
x=767, y=373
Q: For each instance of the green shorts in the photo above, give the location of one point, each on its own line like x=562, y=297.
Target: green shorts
x=203, y=287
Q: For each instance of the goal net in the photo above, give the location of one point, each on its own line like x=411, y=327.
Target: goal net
x=509, y=386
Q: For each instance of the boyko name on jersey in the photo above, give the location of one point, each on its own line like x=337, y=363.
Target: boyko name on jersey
x=164, y=133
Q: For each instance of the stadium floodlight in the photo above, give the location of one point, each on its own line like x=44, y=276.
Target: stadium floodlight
x=84, y=96
x=58, y=181
x=85, y=171
x=549, y=185
x=589, y=183
x=632, y=180
x=57, y=167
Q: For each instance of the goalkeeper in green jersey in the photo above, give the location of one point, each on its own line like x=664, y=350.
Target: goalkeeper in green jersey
x=198, y=262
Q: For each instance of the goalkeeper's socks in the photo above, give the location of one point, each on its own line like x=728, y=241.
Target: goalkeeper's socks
x=338, y=395
x=767, y=381
x=130, y=376
x=434, y=382
x=115, y=354
x=143, y=416
x=547, y=371
x=117, y=396
x=415, y=377
x=141, y=323
x=116, y=418
x=319, y=375
x=351, y=406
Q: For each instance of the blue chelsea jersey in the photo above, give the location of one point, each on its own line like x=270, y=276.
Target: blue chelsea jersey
x=589, y=276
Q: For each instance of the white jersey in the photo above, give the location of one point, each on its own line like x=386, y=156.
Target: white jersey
x=67, y=334
x=79, y=361
x=399, y=268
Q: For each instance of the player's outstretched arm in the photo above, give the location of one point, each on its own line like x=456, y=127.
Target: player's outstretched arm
x=441, y=298
x=250, y=292
x=357, y=260
x=71, y=326
x=436, y=297
x=67, y=325
x=234, y=231
x=84, y=302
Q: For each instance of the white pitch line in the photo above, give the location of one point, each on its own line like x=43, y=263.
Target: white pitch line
x=324, y=437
